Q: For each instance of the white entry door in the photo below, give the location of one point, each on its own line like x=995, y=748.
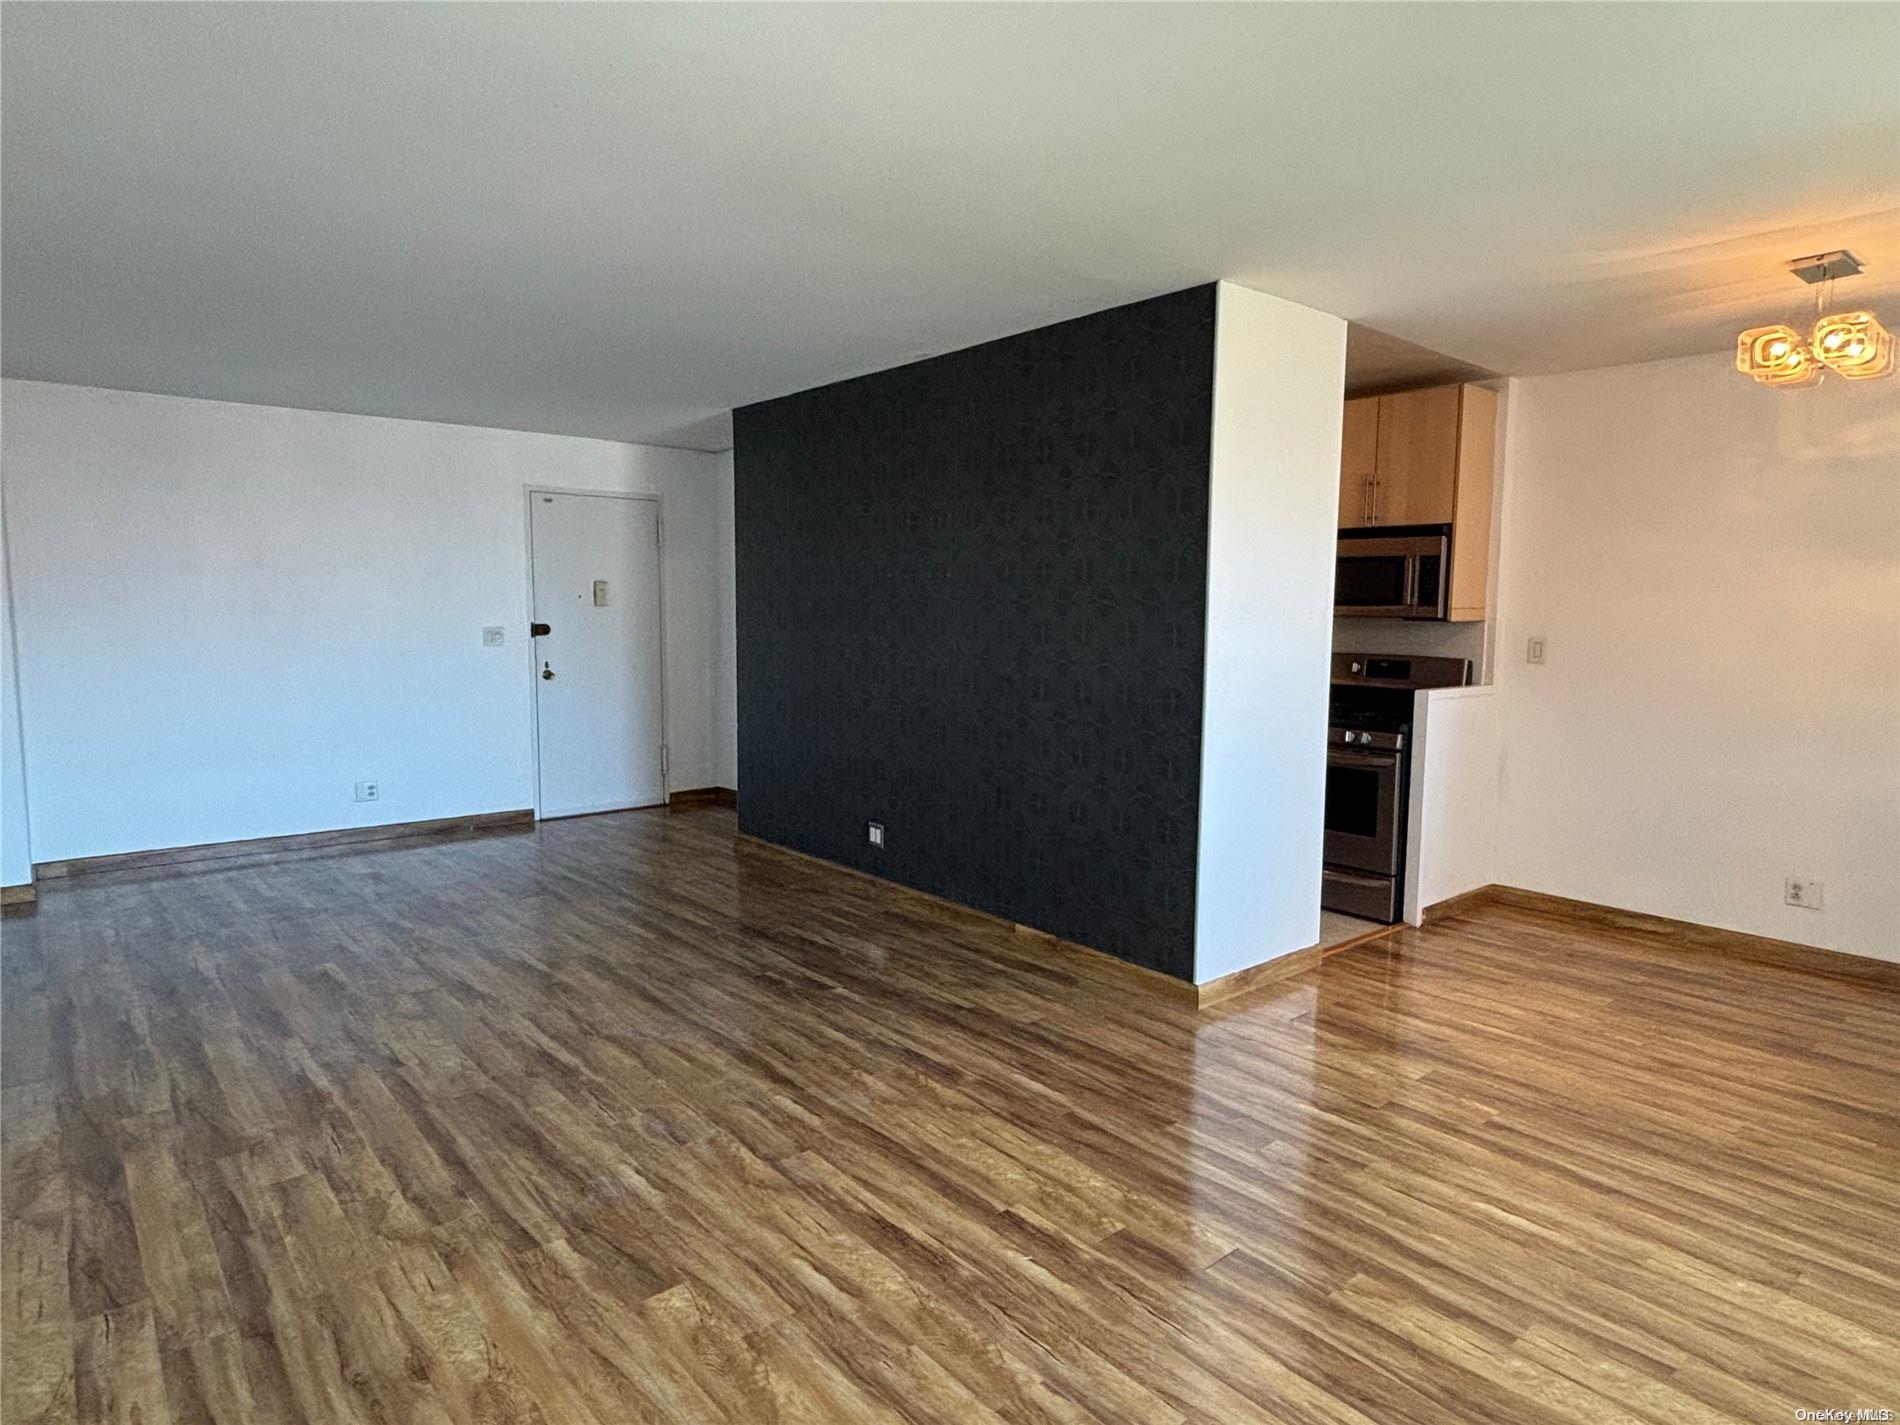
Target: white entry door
x=597, y=680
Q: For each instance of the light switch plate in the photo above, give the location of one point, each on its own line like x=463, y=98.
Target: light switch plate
x=874, y=833
x=1534, y=650
x=494, y=636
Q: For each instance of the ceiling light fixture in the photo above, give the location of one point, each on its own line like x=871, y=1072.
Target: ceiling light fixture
x=1853, y=345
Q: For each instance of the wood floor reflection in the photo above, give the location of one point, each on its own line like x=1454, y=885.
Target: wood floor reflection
x=615, y=1122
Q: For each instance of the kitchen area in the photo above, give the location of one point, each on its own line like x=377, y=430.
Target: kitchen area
x=1412, y=731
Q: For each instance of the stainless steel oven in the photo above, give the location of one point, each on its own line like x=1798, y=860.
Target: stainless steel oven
x=1365, y=782
x=1367, y=776
x=1392, y=573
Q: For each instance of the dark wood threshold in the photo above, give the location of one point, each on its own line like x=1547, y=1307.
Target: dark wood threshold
x=697, y=797
x=1378, y=932
x=269, y=848
x=1663, y=933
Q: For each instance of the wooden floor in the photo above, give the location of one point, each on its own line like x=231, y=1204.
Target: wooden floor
x=613, y=1122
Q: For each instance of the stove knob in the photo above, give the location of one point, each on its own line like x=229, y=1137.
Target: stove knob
x=1352, y=737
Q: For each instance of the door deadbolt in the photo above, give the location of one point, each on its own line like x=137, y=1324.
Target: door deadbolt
x=546, y=672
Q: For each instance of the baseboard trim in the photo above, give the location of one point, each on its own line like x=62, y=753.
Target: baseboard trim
x=1085, y=957
x=19, y=895
x=1667, y=933
x=280, y=847
x=1297, y=962
x=696, y=797
x=1255, y=977
x=1456, y=905
x=1099, y=963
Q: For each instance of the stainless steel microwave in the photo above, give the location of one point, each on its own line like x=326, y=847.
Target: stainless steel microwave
x=1392, y=572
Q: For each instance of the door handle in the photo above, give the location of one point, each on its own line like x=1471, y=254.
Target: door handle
x=538, y=630
x=546, y=672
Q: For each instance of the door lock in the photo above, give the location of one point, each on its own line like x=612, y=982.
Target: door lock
x=546, y=672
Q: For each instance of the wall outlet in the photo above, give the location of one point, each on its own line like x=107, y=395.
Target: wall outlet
x=1804, y=893
x=1534, y=650
x=494, y=636
x=874, y=833
x=367, y=791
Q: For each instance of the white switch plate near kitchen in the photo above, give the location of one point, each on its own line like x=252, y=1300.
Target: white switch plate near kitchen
x=1534, y=650
x=1806, y=894
x=874, y=833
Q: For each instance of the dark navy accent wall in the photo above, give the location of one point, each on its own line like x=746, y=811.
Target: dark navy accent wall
x=971, y=606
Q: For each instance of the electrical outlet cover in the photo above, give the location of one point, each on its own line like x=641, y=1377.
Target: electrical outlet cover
x=494, y=636
x=1802, y=892
x=367, y=791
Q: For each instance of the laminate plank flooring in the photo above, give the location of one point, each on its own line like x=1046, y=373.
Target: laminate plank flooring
x=616, y=1121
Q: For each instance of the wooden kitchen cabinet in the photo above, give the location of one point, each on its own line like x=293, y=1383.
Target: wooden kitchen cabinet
x=1358, y=461
x=1425, y=458
x=1416, y=469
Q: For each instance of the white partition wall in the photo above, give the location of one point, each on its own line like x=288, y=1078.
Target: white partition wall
x=1452, y=822
x=1279, y=381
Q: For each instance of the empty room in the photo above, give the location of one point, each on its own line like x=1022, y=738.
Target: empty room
x=822, y=713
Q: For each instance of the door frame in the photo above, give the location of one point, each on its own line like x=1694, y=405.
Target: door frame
x=529, y=492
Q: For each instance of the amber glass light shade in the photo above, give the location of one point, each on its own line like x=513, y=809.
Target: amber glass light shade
x=1854, y=345
x=1776, y=356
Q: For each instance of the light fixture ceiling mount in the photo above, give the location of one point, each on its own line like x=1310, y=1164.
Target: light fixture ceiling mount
x=1825, y=266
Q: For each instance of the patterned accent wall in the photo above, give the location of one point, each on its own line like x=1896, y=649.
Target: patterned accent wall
x=971, y=606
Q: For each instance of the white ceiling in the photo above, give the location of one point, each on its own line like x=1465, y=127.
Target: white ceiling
x=623, y=220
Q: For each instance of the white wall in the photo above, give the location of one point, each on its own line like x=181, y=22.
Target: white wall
x=1279, y=379
x=1452, y=821
x=228, y=614
x=725, y=732
x=1716, y=566
x=16, y=857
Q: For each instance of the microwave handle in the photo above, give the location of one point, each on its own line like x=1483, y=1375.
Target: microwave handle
x=1410, y=598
